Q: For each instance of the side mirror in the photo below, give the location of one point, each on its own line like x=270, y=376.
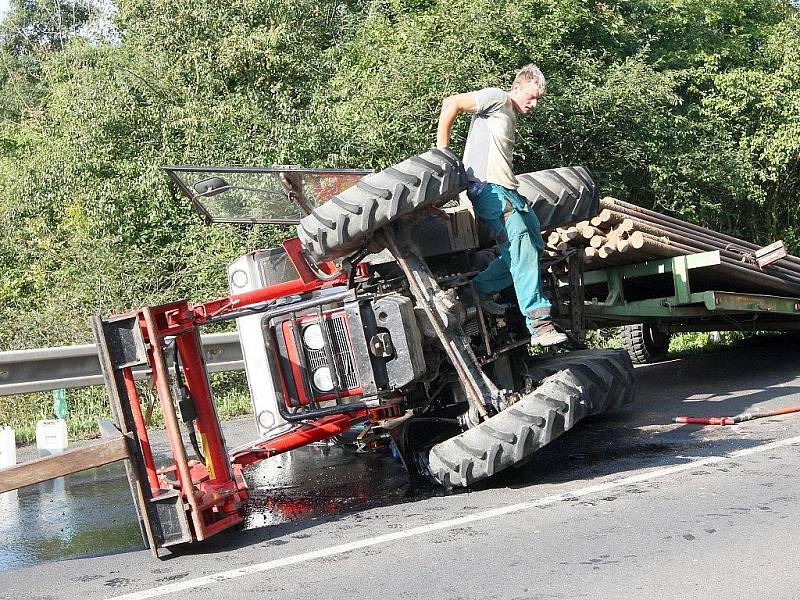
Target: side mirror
x=211, y=186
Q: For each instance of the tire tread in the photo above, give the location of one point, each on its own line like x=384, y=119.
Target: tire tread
x=561, y=196
x=575, y=385
x=347, y=221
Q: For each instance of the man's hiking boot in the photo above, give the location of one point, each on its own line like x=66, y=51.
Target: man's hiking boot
x=546, y=335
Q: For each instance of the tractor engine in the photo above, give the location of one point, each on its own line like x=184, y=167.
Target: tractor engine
x=310, y=357
x=356, y=350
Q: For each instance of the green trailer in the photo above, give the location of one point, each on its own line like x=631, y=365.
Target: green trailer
x=653, y=299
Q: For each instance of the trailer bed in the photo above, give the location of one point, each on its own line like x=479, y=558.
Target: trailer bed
x=682, y=293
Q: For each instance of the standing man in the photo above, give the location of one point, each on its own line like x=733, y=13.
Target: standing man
x=493, y=191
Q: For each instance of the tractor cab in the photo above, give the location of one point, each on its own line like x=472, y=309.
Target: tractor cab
x=279, y=195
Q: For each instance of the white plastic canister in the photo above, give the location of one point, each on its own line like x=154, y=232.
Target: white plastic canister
x=51, y=436
x=8, y=447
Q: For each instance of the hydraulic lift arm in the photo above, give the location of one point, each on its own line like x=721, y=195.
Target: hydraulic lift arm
x=192, y=499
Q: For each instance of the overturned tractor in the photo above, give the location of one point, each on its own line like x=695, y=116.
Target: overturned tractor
x=368, y=318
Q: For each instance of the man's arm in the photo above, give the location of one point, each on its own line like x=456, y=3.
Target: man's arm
x=451, y=107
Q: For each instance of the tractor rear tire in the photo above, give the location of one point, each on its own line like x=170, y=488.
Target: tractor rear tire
x=561, y=196
x=347, y=221
x=645, y=344
x=573, y=386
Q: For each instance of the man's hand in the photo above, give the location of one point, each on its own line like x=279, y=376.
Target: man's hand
x=451, y=107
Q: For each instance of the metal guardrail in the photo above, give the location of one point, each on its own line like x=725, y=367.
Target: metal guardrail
x=65, y=367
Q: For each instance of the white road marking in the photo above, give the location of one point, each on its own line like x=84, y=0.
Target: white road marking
x=448, y=524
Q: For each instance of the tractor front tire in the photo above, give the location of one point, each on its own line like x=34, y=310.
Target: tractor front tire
x=573, y=386
x=347, y=221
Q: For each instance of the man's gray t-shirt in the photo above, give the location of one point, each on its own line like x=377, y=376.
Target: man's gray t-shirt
x=489, y=150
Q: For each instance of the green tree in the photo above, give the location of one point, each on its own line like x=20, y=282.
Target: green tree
x=686, y=105
x=31, y=32
x=760, y=106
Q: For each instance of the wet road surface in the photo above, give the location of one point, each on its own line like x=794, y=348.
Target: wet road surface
x=92, y=512
x=640, y=534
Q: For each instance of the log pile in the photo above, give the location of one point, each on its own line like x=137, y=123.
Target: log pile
x=623, y=233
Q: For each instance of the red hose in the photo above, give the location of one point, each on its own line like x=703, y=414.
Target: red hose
x=736, y=418
x=705, y=420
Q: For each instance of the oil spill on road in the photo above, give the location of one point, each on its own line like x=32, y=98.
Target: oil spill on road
x=117, y=582
x=316, y=481
x=616, y=452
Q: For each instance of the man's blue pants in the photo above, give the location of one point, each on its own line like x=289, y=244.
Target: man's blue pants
x=519, y=240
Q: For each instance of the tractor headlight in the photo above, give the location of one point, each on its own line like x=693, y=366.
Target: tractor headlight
x=313, y=338
x=323, y=379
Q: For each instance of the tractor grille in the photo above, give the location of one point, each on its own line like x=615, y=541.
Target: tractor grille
x=341, y=351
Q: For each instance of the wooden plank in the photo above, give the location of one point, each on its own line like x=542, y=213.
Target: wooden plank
x=66, y=463
x=770, y=254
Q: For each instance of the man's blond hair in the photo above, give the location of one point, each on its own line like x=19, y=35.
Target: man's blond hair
x=531, y=74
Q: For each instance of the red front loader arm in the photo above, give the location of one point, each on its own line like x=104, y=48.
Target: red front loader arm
x=192, y=499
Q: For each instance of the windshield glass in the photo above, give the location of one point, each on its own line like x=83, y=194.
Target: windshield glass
x=260, y=195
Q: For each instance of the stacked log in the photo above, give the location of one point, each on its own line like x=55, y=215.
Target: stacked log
x=623, y=233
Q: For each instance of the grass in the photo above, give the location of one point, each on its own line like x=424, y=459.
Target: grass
x=682, y=344
x=608, y=337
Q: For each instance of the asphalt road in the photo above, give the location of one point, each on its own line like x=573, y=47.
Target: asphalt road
x=626, y=506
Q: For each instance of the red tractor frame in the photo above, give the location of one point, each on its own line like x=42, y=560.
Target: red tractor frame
x=212, y=486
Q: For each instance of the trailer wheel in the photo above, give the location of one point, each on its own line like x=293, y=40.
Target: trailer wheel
x=346, y=221
x=644, y=343
x=561, y=196
x=573, y=386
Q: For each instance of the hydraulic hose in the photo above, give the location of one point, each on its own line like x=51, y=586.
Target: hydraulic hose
x=748, y=416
